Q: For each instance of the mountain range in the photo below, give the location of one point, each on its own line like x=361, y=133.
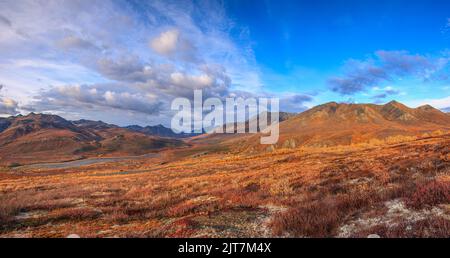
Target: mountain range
x=333, y=124
x=43, y=137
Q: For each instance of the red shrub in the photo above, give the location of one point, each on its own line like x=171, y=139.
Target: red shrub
x=309, y=220
x=430, y=194
x=321, y=218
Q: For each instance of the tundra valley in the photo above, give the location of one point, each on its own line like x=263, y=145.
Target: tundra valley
x=261, y=120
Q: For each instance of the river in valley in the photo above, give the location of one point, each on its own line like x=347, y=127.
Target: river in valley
x=85, y=162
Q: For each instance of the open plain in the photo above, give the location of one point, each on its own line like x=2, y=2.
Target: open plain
x=393, y=190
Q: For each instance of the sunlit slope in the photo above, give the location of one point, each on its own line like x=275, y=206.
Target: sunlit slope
x=333, y=124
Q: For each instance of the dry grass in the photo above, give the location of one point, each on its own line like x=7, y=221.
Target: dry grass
x=322, y=217
x=309, y=192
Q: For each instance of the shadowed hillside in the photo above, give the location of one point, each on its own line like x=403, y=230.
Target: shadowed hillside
x=41, y=137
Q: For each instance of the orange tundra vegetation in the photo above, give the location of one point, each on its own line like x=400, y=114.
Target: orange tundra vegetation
x=392, y=180
x=333, y=192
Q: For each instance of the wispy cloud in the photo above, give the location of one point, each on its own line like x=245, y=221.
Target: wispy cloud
x=4, y=22
x=133, y=49
x=71, y=42
x=294, y=102
x=381, y=94
x=386, y=67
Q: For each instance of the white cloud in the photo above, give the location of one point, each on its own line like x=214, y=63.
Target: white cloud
x=166, y=42
x=439, y=103
x=8, y=106
x=51, y=45
x=192, y=81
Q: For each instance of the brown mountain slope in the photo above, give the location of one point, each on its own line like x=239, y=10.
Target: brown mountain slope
x=38, y=123
x=336, y=124
x=37, y=136
x=333, y=124
x=50, y=138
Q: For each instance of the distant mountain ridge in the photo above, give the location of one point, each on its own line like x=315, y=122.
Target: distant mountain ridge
x=93, y=124
x=158, y=130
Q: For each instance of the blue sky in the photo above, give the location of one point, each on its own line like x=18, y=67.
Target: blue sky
x=300, y=43
x=92, y=59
